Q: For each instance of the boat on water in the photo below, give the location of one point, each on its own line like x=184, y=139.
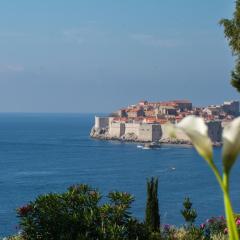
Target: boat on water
x=151, y=145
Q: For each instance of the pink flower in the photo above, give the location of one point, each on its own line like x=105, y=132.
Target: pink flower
x=211, y=220
x=23, y=211
x=238, y=222
x=202, y=226
x=222, y=217
x=225, y=231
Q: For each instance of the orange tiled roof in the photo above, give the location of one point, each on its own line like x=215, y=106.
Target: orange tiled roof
x=182, y=101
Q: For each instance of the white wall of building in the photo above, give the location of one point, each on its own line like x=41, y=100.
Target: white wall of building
x=101, y=122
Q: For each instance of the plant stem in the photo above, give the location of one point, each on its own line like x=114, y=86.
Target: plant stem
x=233, y=233
x=224, y=185
x=216, y=173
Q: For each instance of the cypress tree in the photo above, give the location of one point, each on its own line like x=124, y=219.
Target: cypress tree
x=152, y=217
x=188, y=212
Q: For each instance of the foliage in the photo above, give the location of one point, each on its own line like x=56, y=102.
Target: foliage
x=137, y=230
x=219, y=236
x=173, y=233
x=213, y=226
x=71, y=215
x=235, y=81
x=115, y=217
x=188, y=213
x=14, y=238
x=152, y=217
x=232, y=33
x=191, y=233
x=168, y=232
x=154, y=236
x=78, y=214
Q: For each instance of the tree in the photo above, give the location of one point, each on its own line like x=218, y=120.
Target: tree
x=188, y=213
x=232, y=33
x=152, y=217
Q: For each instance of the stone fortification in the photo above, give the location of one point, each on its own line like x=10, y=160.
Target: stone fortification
x=116, y=129
x=149, y=132
x=214, y=132
x=139, y=132
x=106, y=128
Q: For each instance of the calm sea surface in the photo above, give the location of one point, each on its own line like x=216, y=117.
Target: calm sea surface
x=41, y=153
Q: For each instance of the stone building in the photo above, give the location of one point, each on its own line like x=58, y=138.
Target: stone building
x=135, y=112
x=166, y=110
x=101, y=122
x=231, y=107
x=122, y=113
x=215, y=130
x=183, y=105
x=212, y=110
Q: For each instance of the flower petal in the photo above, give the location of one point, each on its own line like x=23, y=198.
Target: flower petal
x=196, y=124
x=170, y=130
x=196, y=129
x=231, y=143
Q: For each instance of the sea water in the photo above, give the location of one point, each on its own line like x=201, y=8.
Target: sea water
x=42, y=153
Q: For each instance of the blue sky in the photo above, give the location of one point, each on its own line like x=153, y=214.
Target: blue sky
x=97, y=56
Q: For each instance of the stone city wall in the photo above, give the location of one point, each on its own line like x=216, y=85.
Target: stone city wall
x=116, y=130
x=214, y=132
x=148, y=132
x=132, y=128
x=179, y=134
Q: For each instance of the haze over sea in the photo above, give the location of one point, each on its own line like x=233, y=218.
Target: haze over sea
x=41, y=153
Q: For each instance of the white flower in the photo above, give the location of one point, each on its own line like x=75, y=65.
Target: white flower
x=231, y=143
x=170, y=130
x=196, y=129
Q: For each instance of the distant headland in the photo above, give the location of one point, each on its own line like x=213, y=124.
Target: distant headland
x=146, y=121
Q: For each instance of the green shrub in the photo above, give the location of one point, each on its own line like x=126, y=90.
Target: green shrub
x=78, y=214
x=71, y=215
